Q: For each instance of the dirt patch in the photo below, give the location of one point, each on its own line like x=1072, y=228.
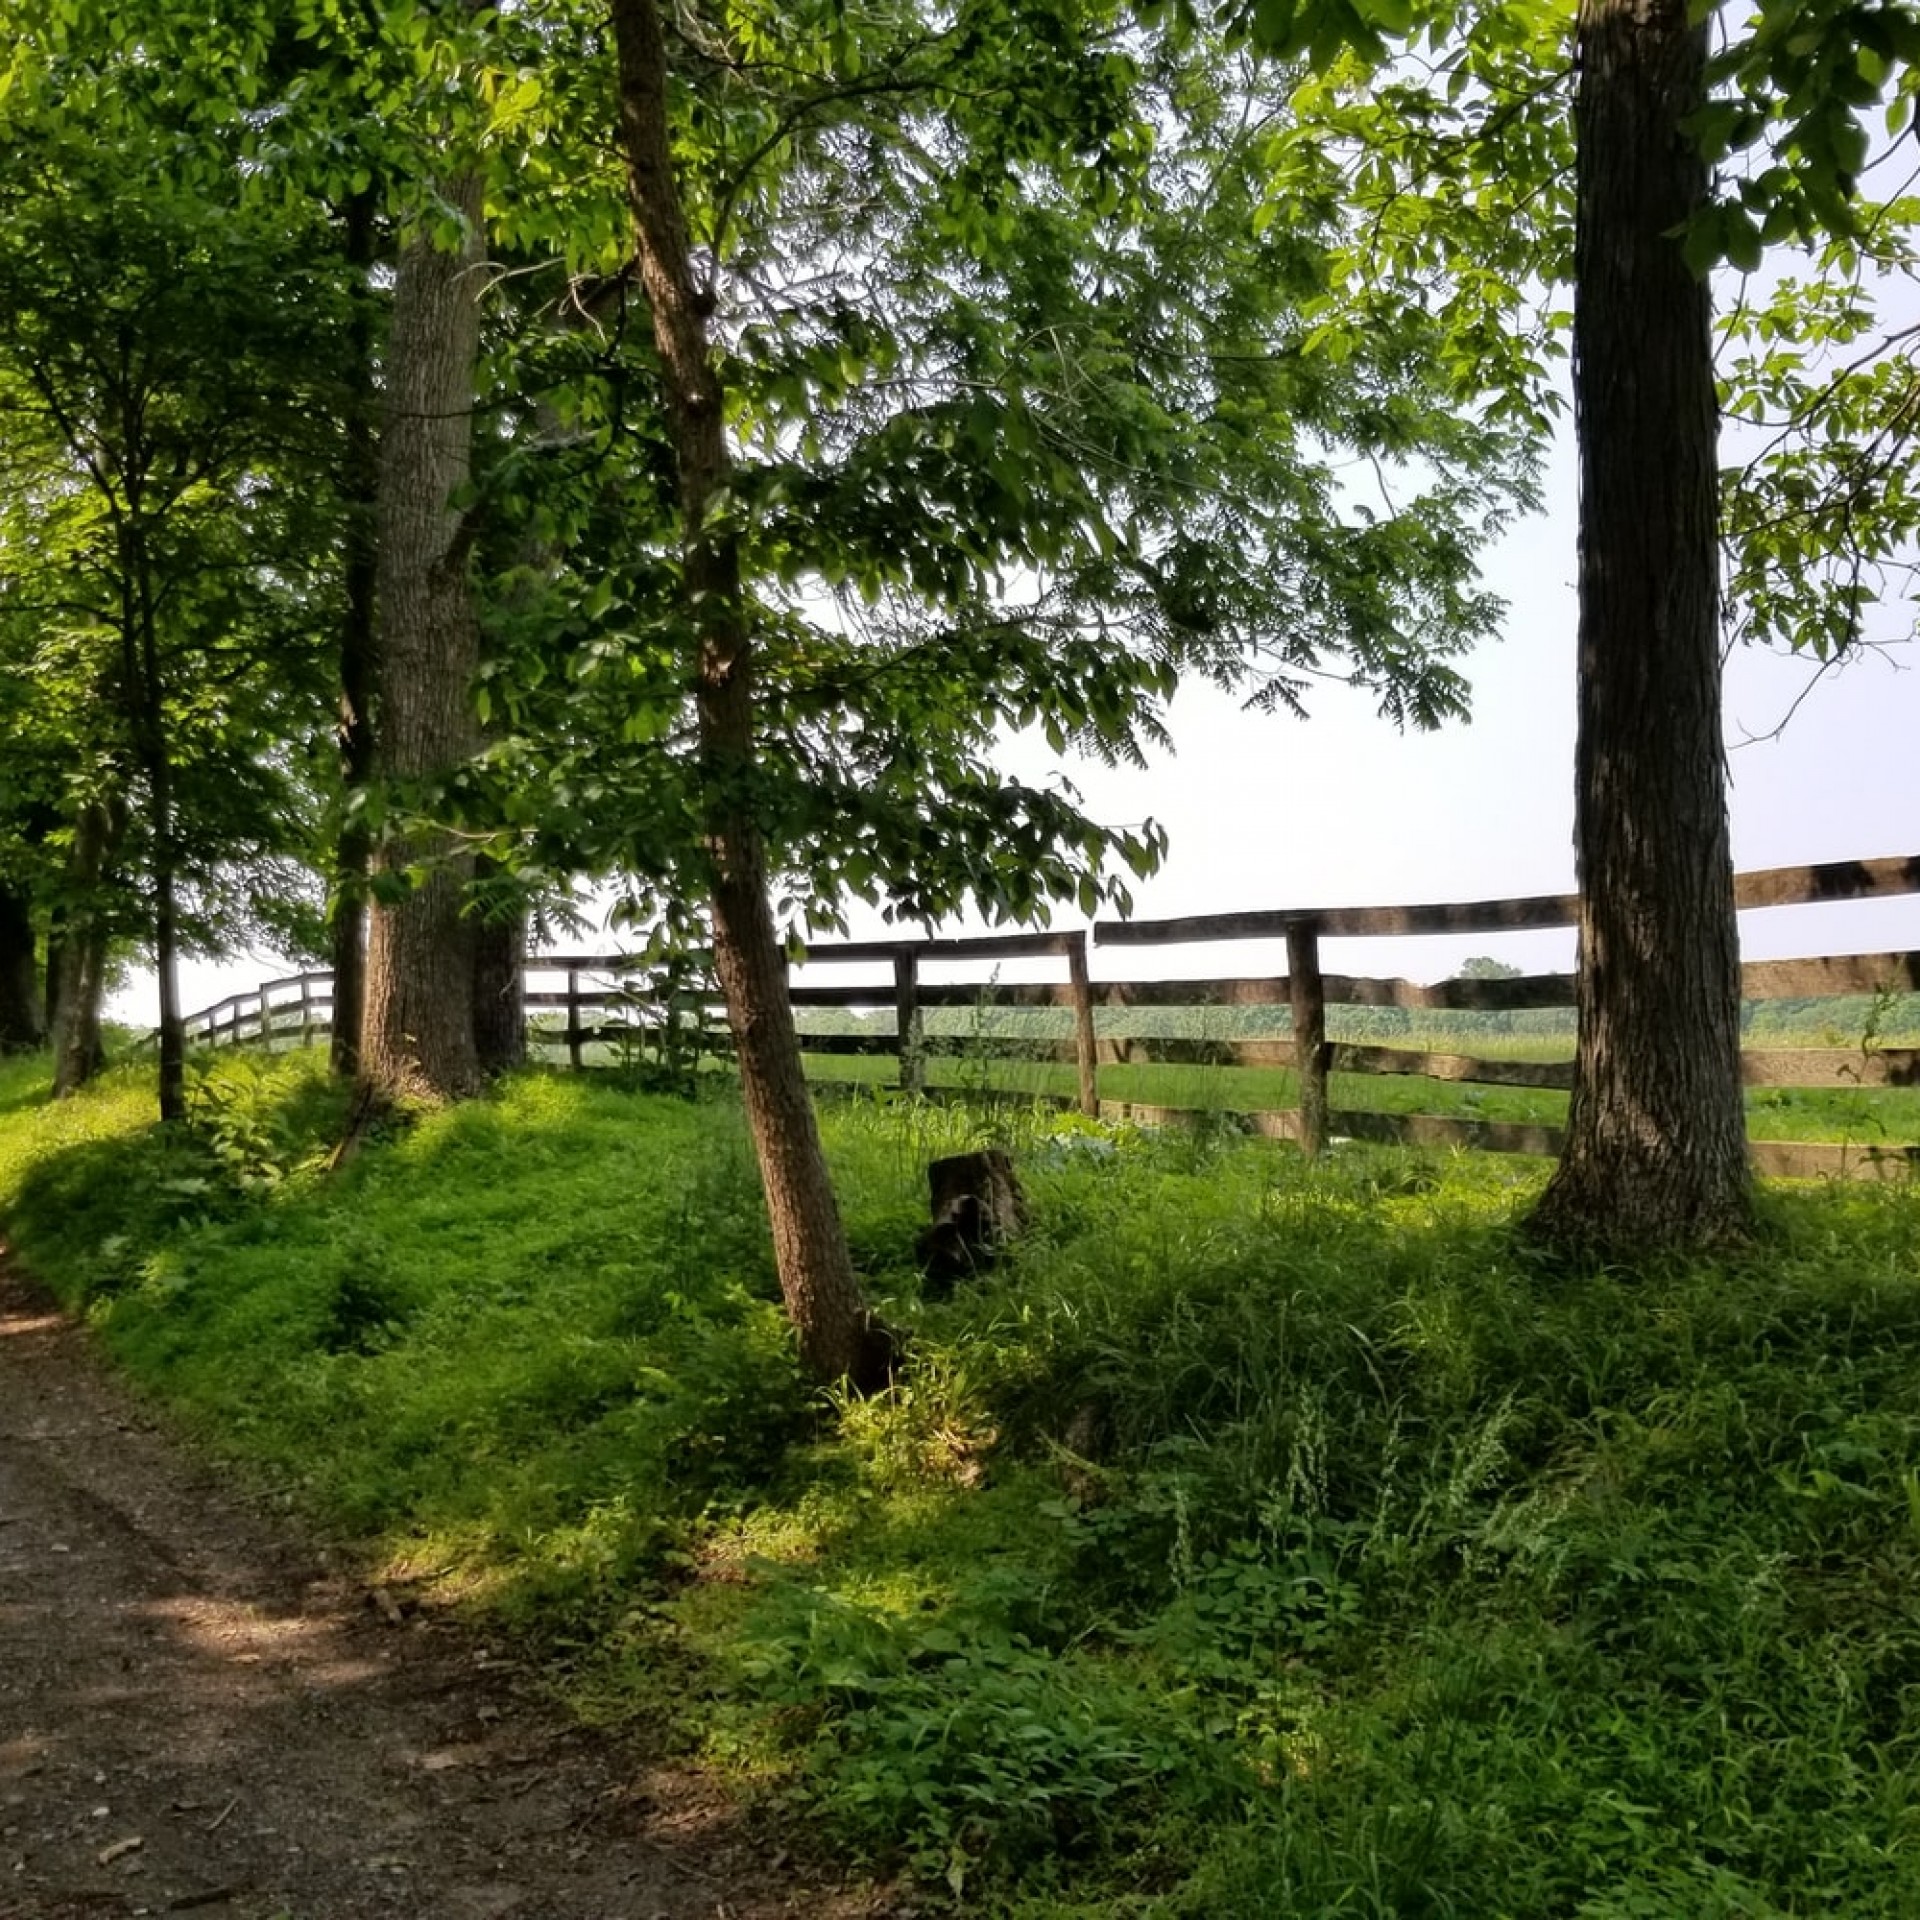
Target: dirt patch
x=197, y=1715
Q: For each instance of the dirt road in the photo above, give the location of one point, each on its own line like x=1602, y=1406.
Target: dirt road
x=198, y=1716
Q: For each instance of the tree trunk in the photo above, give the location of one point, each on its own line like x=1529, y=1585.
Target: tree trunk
x=22, y=1025
x=838, y=1337
x=417, y=1033
x=1656, y=1146
x=499, y=987
x=145, y=695
x=77, y=1050
x=50, y=972
x=360, y=494
x=166, y=971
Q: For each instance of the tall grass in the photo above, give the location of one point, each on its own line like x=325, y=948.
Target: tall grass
x=1262, y=1539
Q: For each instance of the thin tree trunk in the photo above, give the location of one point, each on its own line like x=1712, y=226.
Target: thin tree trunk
x=1656, y=1148
x=360, y=488
x=50, y=971
x=166, y=969
x=77, y=1050
x=417, y=1033
x=22, y=1024
x=146, y=694
x=838, y=1337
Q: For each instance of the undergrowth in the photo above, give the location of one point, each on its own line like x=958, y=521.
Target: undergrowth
x=1263, y=1539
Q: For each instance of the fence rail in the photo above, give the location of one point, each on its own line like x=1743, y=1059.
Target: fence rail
x=596, y=1005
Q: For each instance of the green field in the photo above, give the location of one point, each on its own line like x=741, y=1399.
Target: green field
x=1265, y=1538
x=1869, y=1116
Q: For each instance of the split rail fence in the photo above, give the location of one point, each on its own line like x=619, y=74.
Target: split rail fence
x=598, y=1008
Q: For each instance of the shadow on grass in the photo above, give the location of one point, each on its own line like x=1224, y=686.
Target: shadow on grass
x=1246, y=1484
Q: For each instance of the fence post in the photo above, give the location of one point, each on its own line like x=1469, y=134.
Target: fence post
x=1307, y=996
x=306, y=1010
x=910, y=1027
x=573, y=1017
x=1084, y=1045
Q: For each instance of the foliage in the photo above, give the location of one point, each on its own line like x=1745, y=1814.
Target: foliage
x=1266, y=1538
x=1446, y=131
x=165, y=348
x=1028, y=417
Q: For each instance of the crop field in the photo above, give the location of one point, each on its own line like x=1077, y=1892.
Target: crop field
x=1865, y=1116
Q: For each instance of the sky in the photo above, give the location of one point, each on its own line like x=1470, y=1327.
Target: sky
x=1340, y=809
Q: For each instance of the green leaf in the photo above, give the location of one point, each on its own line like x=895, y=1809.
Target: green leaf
x=1704, y=244
x=1741, y=239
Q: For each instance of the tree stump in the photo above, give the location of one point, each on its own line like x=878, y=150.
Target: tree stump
x=977, y=1208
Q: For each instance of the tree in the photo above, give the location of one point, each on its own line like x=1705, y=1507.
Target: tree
x=1656, y=1152
x=417, y=1031
x=22, y=1016
x=940, y=335
x=1655, y=1156
x=838, y=1337
x=148, y=354
x=359, y=484
x=970, y=329
x=164, y=378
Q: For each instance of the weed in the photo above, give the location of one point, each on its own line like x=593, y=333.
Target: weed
x=1259, y=1538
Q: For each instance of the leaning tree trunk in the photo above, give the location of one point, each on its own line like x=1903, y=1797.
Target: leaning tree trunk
x=22, y=1024
x=416, y=1040
x=838, y=1337
x=1656, y=1149
x=360, y=496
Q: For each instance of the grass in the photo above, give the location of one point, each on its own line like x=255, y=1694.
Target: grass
x=1265, y=1539
x=1869, y=1116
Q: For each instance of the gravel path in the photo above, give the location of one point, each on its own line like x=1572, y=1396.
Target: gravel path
x=196, y=1716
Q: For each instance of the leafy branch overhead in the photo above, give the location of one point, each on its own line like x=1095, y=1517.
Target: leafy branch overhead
x=1032, y=410
x=1449, y=131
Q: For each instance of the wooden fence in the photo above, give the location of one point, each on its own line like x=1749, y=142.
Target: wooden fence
x=296, y=1011
x=607, y=1003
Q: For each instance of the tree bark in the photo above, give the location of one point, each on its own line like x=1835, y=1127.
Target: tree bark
x=22, y=1023
x=416, y=1038
x=78, y=1053
x=499, y=986
x=838, y=1337
x=360, y=495
x=147, y=692
x=50, y=972
x=1656, y=1148
x=144, y=692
